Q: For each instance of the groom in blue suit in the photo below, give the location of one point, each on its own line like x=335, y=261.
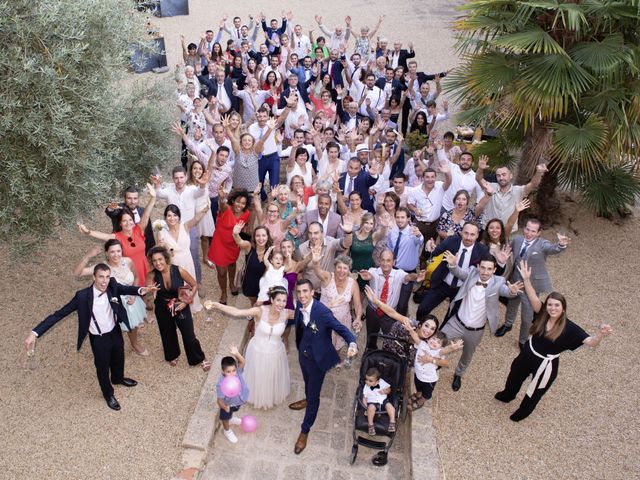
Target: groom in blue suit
x=314, y=323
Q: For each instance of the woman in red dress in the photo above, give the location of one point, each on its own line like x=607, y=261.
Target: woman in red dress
x=224, y=251
x=130, y=235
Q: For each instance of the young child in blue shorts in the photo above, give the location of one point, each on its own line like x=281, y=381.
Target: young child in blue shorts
x=231, y=365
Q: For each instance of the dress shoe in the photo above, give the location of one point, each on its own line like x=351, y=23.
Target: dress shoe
x=113, y=403
x=519, y=415
x=301, y=443
x=502, y=397
x=299, y=405
x=457, y=383
x=502, y=330
x=127, y=382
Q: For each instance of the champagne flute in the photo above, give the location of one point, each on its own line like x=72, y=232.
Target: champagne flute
x=32, y=360
x=208, y=306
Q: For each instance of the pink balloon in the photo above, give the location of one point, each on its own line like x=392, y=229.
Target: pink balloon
x=249, y=424
x=231, y=386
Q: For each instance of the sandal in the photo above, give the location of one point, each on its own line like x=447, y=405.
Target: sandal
x=392, y=427
x=206, y=366
x=372, y=430
x=416, y=406
x=143, y=352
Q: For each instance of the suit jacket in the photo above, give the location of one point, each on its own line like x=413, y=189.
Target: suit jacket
x=396, y=86
x=497, y=287
x=453, y=244
x=361, y=184
x=82, y=302
x=302, y=94
x=403, y=56
x=212, y=89
x=149, y=241
x=322, y=350
x=536, y=256
x=333, y=225
x=335, y=73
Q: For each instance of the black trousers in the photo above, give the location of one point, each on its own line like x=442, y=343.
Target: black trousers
x=169, y=336
x=523, y=366
x=108, y=356
x=403, y=299
x=434, y=297
x=375, y=323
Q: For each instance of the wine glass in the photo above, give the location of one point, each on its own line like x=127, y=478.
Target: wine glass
x=32, y=360
x=208, y=306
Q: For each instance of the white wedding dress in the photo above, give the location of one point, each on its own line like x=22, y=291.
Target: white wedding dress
x=266, y=369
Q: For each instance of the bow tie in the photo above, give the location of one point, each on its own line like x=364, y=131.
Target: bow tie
x=482, y=284
x=375, y=386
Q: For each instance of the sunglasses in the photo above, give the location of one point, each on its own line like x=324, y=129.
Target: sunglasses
x=131, y=242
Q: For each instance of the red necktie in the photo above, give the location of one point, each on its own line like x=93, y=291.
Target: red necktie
x=383, y=295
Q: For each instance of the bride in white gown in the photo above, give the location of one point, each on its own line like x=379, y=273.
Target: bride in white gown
x=266, y=369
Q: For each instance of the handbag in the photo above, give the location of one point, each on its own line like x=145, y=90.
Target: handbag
x=185, y=294
x=421, y=292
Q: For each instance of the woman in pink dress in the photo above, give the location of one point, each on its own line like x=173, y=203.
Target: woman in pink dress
x=339, y=292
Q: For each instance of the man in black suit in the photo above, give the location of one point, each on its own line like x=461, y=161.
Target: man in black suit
x=389, y=84
x=398, y=56
x=131, y=199
x=293, y=85
x=355, y=179
x=334, y=67
x=100, y=309
x=222, y=89
x=443, y=283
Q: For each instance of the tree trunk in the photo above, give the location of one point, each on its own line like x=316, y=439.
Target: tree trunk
x=537, y=150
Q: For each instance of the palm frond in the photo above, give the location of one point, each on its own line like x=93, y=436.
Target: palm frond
x=608, y=57
x=578, y=151
x=611, y=190
x=533, y=40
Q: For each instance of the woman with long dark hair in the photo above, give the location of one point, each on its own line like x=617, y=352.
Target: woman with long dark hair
x=551, y=334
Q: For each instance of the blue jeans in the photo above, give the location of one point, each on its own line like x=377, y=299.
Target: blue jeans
x=269, y=163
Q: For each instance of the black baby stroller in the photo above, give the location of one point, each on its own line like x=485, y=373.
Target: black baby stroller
x=393, y=369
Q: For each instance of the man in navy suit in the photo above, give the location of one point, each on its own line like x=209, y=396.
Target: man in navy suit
x=100, y=310
x=355, y=179
x=314, y=323
x=222, y=89
x=443, y=283
x=334, y=67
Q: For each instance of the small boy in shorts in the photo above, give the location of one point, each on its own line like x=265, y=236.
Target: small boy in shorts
x=231, y=365
x=374, y=395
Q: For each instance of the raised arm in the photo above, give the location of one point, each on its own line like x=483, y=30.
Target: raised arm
x=535, y=180
x=390, y=312
x=316, y=257
x=144, y=220
x=81, y=270
x=525, y=273
x=95, y=234
x=244, y=245
x=237, y=312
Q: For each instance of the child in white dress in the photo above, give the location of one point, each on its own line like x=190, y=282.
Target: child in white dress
x=273, y=275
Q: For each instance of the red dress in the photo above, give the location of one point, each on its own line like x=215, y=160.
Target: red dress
x=134, y=249
x=223, y=250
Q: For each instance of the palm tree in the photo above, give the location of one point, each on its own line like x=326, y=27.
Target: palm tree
x=566, y=75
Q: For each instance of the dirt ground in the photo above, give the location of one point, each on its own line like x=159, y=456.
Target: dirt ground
x=56, y=425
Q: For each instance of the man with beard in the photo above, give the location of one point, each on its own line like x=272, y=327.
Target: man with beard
x=504, y=194
x=462, y=177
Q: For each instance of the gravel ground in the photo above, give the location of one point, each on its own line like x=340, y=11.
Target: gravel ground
x=56, y=425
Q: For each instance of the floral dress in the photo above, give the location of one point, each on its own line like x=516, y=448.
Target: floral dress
x=340, y=306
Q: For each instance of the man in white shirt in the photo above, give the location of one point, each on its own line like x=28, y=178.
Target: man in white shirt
x=269, y=160
x=211, y=145
x=184, y=197
x=462, y=177
x=100, y=308
x=475, y=304
x=236, y=32
x=300, y=42
x=338, y=38
x=371, y=99
x=387, y=283
x=425, y=202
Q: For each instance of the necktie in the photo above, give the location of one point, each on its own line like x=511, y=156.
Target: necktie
x=524, y=249
x=238, y=32
x=396, y=248
x=454, y=282
x=349, y=189
x=260, y=138
x=384, y=294
x=482, y=284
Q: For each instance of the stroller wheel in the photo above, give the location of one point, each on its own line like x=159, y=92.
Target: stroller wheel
x=354, y=454
x=380, y=459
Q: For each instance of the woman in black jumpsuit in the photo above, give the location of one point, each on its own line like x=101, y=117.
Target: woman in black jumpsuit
x=551, y=333
x=171, y=313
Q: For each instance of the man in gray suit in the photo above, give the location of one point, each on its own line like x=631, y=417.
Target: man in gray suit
x=329, y=220
x=534, y=250
x=475, y=304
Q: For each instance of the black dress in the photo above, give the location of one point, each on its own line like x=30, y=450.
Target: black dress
x=252, y=275
x=183, y=320
x=527, y=363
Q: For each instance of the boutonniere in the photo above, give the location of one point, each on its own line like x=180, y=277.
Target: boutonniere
x=114, y=300
x=313, y=327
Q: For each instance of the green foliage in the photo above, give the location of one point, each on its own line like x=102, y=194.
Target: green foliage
x=71, y=126
x=415, y=141
x=610, y=190
x=572, y=67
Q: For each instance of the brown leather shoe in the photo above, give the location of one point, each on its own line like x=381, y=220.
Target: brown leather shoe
x=299, y=405
x=301, y=443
